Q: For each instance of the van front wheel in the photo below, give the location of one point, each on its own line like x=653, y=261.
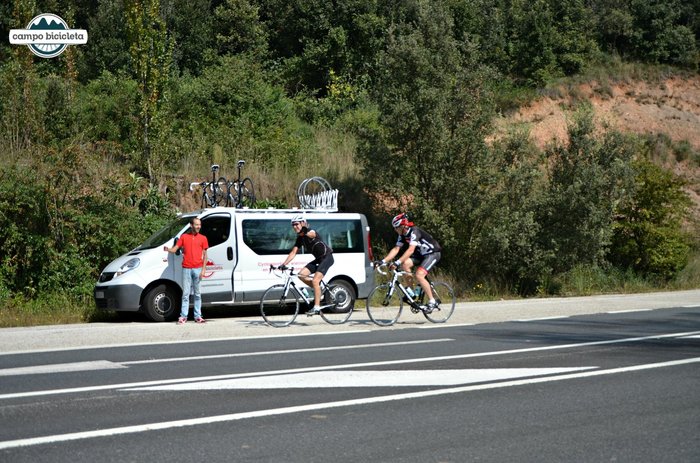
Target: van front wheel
x=161, y=304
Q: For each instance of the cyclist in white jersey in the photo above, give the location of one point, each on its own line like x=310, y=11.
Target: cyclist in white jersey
x=421, y=249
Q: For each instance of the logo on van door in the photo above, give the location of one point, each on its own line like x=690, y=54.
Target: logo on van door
x=211, y=269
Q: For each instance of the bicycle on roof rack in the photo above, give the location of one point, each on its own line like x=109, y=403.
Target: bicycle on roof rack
x=279, y=305
x=240, y=193
x=213, y=192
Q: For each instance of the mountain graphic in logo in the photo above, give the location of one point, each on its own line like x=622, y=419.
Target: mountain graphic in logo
x=48, y=22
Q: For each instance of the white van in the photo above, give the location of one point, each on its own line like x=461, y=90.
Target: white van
x=243, y=243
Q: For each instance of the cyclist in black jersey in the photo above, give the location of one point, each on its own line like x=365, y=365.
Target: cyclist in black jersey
x=420, y=249
x=323, y=258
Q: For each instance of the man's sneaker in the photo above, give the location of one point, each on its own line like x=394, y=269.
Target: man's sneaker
x=313, y=311
x=182, y=320
x=200, y=320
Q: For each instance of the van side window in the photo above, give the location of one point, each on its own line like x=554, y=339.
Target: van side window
x=276, y=236
x=217, y=228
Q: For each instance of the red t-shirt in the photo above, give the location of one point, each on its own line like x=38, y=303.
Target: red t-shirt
x=193, y=246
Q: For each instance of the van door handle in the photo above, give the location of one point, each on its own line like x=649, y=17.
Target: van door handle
x=229, y=253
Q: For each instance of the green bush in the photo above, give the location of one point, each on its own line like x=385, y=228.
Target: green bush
x=62, y=230
x=648, y=237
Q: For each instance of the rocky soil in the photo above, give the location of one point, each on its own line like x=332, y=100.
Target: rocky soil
x=669, y=106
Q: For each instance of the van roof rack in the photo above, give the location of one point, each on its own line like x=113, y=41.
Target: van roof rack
x=315, y=193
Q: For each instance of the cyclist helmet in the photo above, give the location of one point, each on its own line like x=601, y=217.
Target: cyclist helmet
x=298, y=219
x=401, y=220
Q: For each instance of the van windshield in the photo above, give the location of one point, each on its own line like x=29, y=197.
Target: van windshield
x=166, y=233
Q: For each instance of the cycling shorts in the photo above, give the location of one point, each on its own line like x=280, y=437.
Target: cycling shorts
x=322, y=264
x=427, y=261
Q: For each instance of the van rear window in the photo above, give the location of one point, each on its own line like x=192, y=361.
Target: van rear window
x=266, y=236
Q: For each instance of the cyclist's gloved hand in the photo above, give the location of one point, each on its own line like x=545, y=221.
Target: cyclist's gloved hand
x=304, y=230
x=377, y=263
x=397, y=263
x=282, y=267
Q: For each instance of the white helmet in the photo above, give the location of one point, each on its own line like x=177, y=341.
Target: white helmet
x=298, y=218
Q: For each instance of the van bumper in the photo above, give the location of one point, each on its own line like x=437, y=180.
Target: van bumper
x=118, y=297
x=363, y=289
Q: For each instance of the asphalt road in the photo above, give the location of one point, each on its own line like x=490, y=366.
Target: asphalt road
x=611, y=384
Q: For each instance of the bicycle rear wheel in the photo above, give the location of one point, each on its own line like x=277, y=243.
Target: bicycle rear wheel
x=384, y=304
x=220, y=192
x=247, y=198
x=446, y=300
x=277, y=309
x=340, y=305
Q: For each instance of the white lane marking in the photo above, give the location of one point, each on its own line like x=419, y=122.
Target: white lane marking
x=188, y=341
x=558, y=317
x=629, y=311
x=105, y=365
x=442, y=325
x=61, y=368
x=355, y=379
x=320, y=406
x=288, y=351
x=16, y=395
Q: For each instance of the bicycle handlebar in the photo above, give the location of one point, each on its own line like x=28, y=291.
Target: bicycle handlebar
x=282, y=269
x=196, y=184
x=385, y=268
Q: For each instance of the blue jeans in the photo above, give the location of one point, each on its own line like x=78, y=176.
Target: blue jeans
x=190, y=278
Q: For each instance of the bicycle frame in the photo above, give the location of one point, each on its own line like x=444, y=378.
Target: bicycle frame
x=413, y=301
x=239, y=184
x=289, y=283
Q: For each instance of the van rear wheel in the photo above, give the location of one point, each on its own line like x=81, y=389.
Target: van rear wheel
x=161, y=304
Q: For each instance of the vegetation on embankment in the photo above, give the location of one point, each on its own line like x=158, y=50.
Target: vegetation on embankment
x=408, y=105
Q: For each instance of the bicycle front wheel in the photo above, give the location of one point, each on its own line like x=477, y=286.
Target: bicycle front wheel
x=336, y=305
x=277, y=309
x=384, y=304
x=446, y=300
x=247, y=198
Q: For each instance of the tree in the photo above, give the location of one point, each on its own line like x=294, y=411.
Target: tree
x=648, y=236
x=239, y=29
x=107, y=48
x=659, y=37
x=587, y=180
x=151, y=57
x=429, y=153
x=550, y=38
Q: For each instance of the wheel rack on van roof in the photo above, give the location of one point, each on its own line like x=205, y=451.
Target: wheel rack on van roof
x=270, y=210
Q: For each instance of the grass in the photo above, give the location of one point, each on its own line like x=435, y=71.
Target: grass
x=54, y=309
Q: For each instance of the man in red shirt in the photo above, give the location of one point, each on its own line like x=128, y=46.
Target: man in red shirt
x=194, y=264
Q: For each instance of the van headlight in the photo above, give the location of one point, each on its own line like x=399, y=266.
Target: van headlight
x=128, y=266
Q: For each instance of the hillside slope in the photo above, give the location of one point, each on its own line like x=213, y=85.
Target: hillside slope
x=670, y=106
